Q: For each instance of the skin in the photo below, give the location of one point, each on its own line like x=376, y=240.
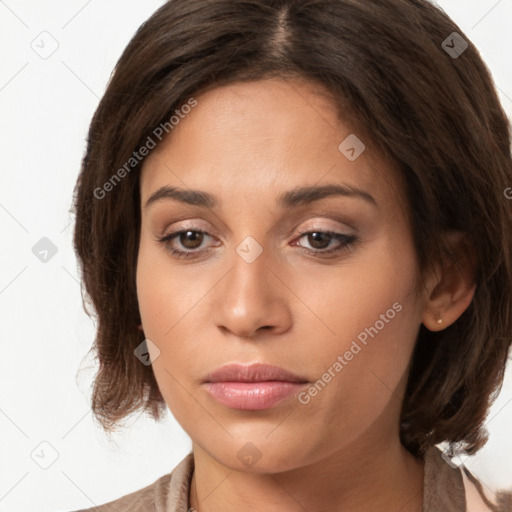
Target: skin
x=247, y=143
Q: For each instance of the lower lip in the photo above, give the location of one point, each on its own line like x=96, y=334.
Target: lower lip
x=252, y=395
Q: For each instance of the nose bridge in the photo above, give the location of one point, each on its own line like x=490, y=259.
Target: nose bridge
x=250, y=277
x=251, y=296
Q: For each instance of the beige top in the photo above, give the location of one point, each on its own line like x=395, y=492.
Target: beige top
x=445, y=489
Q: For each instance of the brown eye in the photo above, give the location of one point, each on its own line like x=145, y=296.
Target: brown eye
x=319, y=240
x=187, y=240
x=190, y=239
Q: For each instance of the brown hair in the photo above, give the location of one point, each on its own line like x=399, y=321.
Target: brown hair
x=435, y=115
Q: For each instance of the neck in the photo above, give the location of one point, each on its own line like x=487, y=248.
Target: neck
x=361, y=477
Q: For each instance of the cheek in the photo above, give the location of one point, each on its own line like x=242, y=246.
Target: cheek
x=165, y=294
x=166, y=304
x=372, y=290
x=370, y=322
x=155, y=300
x=172, y=306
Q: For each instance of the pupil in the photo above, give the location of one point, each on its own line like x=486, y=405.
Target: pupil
x=317, y=237
x=191, y=235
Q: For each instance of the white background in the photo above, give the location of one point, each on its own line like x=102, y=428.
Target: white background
x=46, y=106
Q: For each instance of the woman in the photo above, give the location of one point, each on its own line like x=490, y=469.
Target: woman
x=293, y=225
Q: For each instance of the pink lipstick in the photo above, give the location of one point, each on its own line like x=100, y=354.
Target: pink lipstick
x=252, y=387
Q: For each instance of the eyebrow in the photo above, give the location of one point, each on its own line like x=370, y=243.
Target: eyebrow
x=293, y=198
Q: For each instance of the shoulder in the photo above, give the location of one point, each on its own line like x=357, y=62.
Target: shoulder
x=454, y=488
x=167, y=493
x=480, y=498
x=143, y=499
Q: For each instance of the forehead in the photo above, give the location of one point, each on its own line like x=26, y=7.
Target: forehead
x=262, y=137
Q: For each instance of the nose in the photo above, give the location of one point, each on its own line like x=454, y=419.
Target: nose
x=252, y=297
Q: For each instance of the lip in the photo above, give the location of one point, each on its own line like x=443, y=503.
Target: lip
x=255, y=372
x=252, y=387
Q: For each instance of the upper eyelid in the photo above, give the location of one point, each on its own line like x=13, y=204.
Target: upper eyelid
x=312, y=212
x=328, y=217
x=302, y=230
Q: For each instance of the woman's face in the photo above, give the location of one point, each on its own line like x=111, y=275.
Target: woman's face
x=338, y=312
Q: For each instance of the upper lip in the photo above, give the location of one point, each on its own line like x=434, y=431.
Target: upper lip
x=256, y=372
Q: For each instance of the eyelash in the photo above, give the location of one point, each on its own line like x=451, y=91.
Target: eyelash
x=348, y=240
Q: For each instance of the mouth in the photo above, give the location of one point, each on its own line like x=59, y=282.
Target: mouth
x=252, y=387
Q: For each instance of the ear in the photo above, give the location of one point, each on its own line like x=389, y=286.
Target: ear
x=451, y=290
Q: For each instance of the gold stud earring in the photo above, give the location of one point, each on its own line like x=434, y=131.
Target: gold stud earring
x=440, y=321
